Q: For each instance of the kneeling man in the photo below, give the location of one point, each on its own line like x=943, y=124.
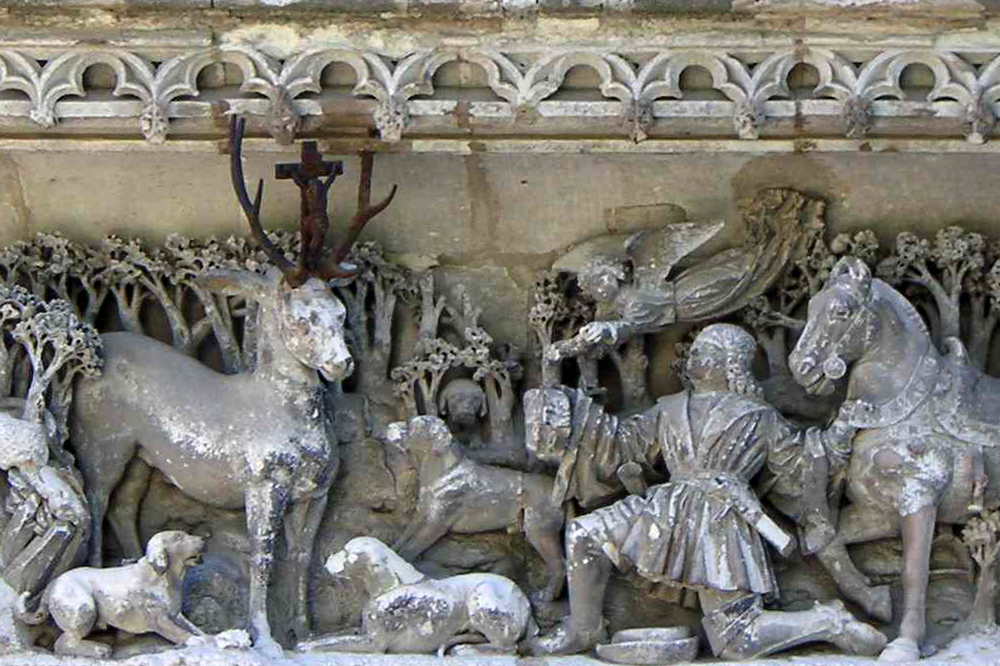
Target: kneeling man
x=703, y=529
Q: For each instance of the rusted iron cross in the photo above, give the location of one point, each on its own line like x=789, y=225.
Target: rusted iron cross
x=307, y=174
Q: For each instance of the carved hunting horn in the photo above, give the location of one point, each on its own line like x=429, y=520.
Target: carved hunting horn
x=308, y=175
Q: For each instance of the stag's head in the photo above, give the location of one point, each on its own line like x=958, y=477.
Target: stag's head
x=309, y=318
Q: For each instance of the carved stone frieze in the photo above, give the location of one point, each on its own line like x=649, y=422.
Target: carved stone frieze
x=641, y=92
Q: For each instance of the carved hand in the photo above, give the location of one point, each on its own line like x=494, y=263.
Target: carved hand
x=597, y=332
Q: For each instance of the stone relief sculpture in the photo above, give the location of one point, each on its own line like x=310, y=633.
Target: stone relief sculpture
x=777, y=222
x=409, y=612
x=139, y=598
x=457, y=494
x=927, y=433
x=277, y=457
x=47, y=520
x=721, y=490
x=423, y=385
x=705, y=527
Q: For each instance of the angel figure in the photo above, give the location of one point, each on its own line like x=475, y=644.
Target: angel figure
x=633, y=287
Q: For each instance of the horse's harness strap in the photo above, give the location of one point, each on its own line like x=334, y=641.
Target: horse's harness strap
x=922, y=383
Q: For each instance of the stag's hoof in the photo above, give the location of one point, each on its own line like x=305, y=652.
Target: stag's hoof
x=901, y=650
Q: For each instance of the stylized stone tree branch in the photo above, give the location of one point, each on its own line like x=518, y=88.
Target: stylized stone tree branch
x=555, y=315
x=982, y=536
x=371, y=300
x=59, y=348
x=957, y=264
x=772, y=315
x=419, y=380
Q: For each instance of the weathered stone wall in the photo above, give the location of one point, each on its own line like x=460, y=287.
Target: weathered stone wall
x=491, y=221
x=486, y=215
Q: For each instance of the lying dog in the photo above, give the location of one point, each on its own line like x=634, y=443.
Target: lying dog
x=457, y=494
x=409, y=612
x=137, y=598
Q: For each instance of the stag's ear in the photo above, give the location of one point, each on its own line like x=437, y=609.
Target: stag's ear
x=854, y=270
x=157, y=555
x=443, y=403
x=243, y=283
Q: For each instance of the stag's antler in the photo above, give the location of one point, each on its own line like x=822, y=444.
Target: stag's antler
x=252, y=210
x=308, y=176
x=364, y=213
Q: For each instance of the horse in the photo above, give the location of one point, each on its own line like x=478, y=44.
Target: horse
x=927, y=434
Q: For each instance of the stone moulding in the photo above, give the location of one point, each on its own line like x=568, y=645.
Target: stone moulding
x=640, y=94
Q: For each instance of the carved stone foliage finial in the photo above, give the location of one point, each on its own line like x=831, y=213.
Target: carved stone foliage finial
x=636, y=88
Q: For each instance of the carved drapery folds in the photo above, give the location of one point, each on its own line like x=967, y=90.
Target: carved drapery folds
x=642, y=90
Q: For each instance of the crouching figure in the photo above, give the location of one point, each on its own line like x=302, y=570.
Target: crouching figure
x=138, y=598
x=705, y=528
x=410, y=612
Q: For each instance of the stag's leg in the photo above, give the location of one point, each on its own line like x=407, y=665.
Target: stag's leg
x=266, y=501
x=918, y=535
x=123, y=514
x=858, y=524
x=301, y=527
x=102, y=464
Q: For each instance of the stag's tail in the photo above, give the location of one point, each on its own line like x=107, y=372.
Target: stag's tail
x=23, y=612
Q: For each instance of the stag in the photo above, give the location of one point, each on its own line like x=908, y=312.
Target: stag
x=260, y=441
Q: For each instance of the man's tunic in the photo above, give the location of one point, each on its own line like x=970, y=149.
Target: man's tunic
x=697, y=530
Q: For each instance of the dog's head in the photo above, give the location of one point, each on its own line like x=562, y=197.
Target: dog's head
x=374, y=563
x=174, y=551
x=421, y=437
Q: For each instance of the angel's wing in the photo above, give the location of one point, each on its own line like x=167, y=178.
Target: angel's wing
x=654, y=252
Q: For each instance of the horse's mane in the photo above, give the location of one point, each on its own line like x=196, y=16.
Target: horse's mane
x=906, y=310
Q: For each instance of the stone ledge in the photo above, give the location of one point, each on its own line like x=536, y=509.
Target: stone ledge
x=978, y=650
x=502, y=7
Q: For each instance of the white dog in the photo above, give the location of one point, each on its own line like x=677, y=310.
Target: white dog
x=138, y=598
x=409, y=612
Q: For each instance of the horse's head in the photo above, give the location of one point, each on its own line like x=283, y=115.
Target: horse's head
x=307, y=320
x=841, y=325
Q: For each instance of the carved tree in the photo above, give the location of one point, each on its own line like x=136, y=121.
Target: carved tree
x=982, y=536
x=957, y=269
x=557, y=314
x=59, y=347
x=772, y=315
x=371, y=300
x=46, y=346
x=419, y=381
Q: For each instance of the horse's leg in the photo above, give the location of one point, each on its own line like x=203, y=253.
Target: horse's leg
x=918, y=535
x=123, y=514
x=266, y=500
x=859, y=523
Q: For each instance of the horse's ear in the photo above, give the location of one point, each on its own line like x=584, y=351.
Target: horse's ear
x=854, y=270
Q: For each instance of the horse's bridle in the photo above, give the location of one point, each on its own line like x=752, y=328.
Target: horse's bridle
x=835, y=367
